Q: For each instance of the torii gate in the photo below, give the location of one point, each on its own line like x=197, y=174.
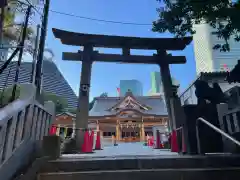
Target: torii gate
x=88, y=56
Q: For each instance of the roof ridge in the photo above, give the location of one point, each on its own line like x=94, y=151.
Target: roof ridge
x=113, y=97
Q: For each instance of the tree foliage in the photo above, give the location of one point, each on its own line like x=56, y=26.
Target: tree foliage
x=104, y=94
x=91, y=104
x=6, y=94
x=73, y=110
x=60, y=103
x=12, y=30
x=179, y=16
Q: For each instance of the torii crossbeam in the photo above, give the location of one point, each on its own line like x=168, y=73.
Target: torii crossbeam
x=88, y=56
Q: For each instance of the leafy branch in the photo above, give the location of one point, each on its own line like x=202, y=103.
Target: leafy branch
x=179, y=17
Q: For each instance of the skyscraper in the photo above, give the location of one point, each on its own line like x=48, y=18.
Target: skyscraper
x=133, y=85
x=156, y=83
x=53, y=80
x=209, y=60
x=3, y=51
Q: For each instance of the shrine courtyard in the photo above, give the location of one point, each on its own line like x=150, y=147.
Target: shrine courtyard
x=124, y=150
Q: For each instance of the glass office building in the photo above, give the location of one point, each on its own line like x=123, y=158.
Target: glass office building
x=134, y=86
x=53, y=80
x=156, y=83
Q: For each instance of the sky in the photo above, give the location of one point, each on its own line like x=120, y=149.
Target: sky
x=106, y=76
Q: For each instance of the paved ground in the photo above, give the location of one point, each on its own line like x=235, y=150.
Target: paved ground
x=123, y=149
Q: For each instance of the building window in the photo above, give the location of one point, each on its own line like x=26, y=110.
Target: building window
x=61, y=130
x=148, y=133
x=109, y=133
x=69, y=132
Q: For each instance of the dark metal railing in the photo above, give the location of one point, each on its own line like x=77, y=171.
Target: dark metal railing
x=216, y=129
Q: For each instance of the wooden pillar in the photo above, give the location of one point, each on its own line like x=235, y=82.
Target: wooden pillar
x=97, y=128
x=65, y=131
x=58, y=130
x=83, y=101
x=142, y=131
x=167, y=84
x=117, y=132
x=74, y=128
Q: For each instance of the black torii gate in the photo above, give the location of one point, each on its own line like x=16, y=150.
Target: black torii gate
x=88, y=56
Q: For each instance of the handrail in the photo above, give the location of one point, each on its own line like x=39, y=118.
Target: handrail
x=180, y=142
x=215, y=129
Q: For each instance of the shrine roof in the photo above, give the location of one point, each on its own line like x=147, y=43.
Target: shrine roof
x=213, y=75
x=151, y=105
x=108, y=41
x=66, y=114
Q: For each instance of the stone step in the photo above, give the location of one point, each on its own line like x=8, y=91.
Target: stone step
x=147, y=174
x=123, y=163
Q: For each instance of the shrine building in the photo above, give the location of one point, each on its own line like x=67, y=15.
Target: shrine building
x=128, y=118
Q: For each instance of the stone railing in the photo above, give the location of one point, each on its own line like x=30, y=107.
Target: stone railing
x=229, y=121
x=22, y=123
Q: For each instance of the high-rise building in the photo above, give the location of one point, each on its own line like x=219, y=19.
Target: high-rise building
x=3, y=50
x=209, y=60
x=131, y=85
x=156, y=83
x=53, y=80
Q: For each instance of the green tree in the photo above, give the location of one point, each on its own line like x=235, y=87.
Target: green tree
x=6, y=94
x=60, y=103
x=178, y=17
x=11, y=29
x=91, y=104
x=105, y=94
x=73, y=110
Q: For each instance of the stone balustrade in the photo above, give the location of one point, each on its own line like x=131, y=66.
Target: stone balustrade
x=22, y=123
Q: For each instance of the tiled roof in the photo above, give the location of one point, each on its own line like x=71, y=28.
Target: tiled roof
x=67, y=113
x=213, y=75
x=102, y=105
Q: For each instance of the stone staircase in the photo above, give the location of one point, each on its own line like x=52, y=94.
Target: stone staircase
x=219, y=167
x=26, y=150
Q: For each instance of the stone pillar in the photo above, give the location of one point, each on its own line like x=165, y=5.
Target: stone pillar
x=222, y=110
x=51, y=147
x=83, y=101
x=167, y=85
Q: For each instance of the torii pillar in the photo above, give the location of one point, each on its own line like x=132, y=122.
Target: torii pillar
x=167, y=86
x=83, y=100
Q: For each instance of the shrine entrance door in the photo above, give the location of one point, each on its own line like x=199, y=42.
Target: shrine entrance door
x=130, y=131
